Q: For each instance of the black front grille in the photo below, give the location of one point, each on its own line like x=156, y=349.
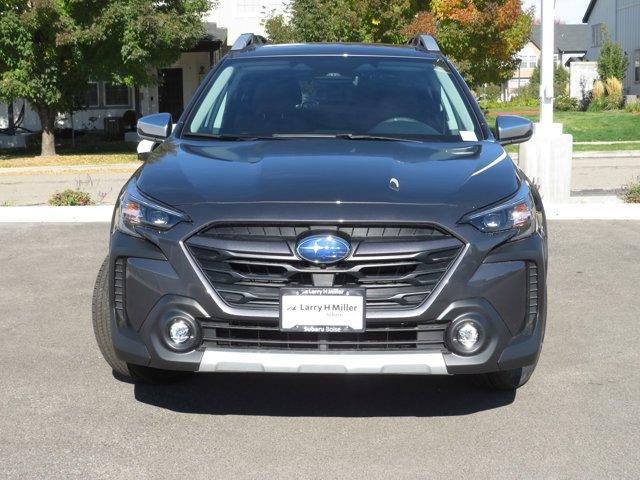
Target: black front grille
x=291, y=232
x=398, y=266
x=404, y=336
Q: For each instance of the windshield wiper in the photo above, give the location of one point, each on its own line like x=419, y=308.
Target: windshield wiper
x=224, y=137
x=304, y=135
x=346, y=136
x=354, y=136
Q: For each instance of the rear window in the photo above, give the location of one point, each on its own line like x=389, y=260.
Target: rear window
x=398, y=97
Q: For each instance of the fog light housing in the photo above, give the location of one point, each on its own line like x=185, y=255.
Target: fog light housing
x=181, y=334
x=466, y=337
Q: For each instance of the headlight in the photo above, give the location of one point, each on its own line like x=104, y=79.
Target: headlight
x=518, y=214
x=136, y=210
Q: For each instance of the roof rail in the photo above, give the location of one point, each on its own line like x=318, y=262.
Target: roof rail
x=247, y=40
x=427, y=42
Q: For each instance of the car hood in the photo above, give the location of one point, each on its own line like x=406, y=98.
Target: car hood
x=468, y=175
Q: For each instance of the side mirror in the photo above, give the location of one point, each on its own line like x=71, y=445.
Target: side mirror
x=156, y=127
x=511, y=129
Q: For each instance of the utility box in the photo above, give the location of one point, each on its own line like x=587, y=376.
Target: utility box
x=112, y=127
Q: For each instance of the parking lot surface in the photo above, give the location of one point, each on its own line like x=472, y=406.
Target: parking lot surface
x=63, y=414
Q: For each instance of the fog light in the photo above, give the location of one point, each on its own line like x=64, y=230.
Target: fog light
x=468, y=335
x=180, y=331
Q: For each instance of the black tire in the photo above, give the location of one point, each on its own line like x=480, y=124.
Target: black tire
x=507, y=380
x=101, y=317
x=102, y=321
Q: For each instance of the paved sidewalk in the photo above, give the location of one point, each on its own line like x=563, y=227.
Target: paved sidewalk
x=594, y=173
x=35, y=185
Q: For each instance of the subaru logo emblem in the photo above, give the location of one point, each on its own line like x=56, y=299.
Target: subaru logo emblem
x=323, y=249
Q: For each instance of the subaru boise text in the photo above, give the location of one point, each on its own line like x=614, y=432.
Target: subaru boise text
x=327, y=208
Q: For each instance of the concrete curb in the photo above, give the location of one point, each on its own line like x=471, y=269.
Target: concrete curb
x=598, y=154
x=593, y=211
x=103, y=213
x=47, y=214
x=52, y=169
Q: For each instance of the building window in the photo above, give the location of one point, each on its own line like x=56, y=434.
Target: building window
x=596, y=34
x=116, y=95
x=636, y=66
x=91, y=97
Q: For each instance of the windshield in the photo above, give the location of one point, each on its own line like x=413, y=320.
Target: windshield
x=354, y=96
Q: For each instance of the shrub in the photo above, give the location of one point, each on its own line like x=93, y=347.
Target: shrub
x=632, y=195
x=565, y=103
x=632, y=107
x=561, y=79
x=605, y=95
x=598, y=89
x=613, y=99
x=129, y=120
x=70, y=197
x=612, y=61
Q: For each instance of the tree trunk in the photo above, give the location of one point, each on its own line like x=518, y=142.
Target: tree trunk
x=47, y=120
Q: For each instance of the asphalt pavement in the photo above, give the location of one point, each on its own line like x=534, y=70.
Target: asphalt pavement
x=64, y=415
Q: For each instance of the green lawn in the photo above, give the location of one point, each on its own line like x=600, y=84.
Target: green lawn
x=588, y=126
x=98, y=153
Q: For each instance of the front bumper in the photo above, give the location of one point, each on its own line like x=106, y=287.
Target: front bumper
x=297, y=362
x=488, y=284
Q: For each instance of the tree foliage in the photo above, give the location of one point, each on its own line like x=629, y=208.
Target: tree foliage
x=372, y=21
x=482, y=37
x=612, y=63
x=50, y=49
x=561, y=79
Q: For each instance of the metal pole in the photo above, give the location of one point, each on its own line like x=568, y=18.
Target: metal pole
x=546, y=63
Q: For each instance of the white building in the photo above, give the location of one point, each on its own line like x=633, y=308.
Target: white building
x=622, y=21
x=245, y=16
x=177, y=83
x=106, y=101
x=571, y=42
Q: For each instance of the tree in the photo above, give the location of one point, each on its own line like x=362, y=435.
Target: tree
x=560, y=79
x=51, y=49
x=370, y=21
x=482, y=37
x=612, y=62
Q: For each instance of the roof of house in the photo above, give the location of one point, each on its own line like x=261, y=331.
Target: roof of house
x=587, y=14
x=214, y=32
x=567, y=38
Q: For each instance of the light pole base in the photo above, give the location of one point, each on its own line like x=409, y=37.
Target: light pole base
x=547, y=159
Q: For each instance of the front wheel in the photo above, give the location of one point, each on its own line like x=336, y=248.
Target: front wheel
x=101, y=317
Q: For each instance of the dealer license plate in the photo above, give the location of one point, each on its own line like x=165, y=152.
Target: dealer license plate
x=322, y=310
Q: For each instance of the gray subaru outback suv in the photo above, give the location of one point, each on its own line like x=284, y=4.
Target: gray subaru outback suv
x=327, y=208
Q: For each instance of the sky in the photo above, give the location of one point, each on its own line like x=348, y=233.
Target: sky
x=568, y=11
